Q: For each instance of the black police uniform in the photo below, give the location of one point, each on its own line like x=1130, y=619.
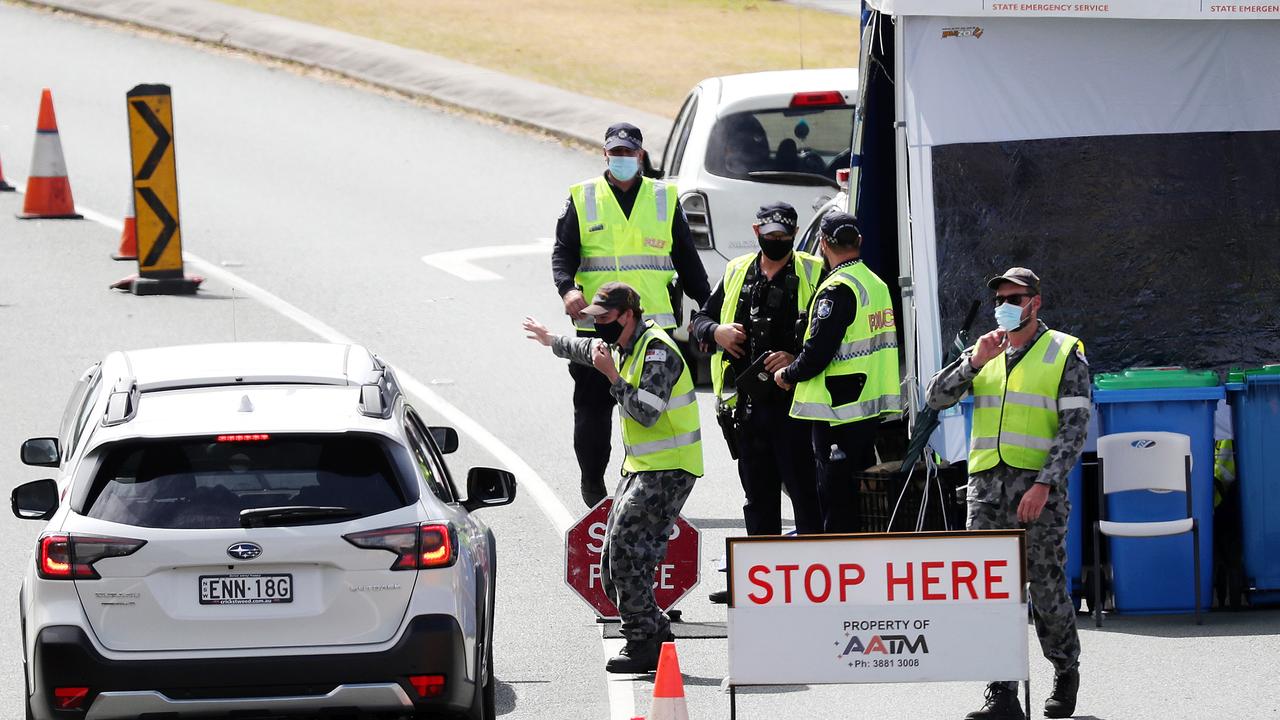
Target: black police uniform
x=592, y=403
x=774, y=449
x=839, y=450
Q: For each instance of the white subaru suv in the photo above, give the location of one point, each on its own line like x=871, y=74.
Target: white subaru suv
x=255, y=529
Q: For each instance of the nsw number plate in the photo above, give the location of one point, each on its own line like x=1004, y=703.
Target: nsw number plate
x=246, y=589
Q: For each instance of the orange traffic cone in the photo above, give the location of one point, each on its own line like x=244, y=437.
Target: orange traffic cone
x=48, y=189
x=4, y=186
x=668, y=688
x=128, y=234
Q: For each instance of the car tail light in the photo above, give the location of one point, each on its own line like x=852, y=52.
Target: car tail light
x=69, y=698
x=427, y=686
x=817, y=99
x=698, y=212
x=249, y=437
x=842, y=178
x=71, y=557
x=417, y=547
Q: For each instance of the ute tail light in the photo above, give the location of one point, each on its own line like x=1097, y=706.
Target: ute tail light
x=69, y=698
x=842, y=178
x=817, y=99
x=427, y=686
x=698, y=212
x=417, y=547
x=71, y=557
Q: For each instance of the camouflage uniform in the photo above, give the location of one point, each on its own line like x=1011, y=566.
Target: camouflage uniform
x=994, y=496
x=645, y=504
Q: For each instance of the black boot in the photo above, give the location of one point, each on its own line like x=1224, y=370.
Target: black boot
x=1002, y=704
x=1062, y=701
x=640, y=656
x=720, y=597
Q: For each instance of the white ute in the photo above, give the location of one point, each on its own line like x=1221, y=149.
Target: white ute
x=255, y=528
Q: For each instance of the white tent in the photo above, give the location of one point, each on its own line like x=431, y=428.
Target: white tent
x=983, y=71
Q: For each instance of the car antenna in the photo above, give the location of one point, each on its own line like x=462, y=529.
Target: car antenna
x=234, y=336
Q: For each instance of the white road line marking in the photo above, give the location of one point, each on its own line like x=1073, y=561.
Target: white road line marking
x=622, y=703
x=459, y=262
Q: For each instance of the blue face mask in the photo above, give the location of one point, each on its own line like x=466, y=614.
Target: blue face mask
x=1008, y=316
x=623, y=168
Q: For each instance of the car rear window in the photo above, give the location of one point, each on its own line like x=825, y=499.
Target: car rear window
x=781, y=145
x=206, y=482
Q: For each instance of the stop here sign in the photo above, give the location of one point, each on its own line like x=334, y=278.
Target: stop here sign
x=674, y=577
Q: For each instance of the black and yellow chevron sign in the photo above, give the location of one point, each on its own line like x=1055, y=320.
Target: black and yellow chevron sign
x=155, y=181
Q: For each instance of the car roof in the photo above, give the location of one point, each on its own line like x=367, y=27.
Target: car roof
x=239, y=410
x=773, y=89
x=242, y=388
x=302, y=362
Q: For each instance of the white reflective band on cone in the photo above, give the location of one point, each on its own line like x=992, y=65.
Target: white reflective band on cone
x=46, y=157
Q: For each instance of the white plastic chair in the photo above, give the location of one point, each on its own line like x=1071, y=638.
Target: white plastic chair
x=1153, y=461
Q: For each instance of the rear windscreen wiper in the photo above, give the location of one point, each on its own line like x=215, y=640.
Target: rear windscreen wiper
x=270, y=516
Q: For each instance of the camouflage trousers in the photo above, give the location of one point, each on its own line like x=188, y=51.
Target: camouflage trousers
x=644, y=510
x=993, y=505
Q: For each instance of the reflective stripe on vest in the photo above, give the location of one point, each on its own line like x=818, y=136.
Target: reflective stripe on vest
x=807, y=268
x=633, y=249
x=674, y=442
x=1015, y=414
x=869, y=347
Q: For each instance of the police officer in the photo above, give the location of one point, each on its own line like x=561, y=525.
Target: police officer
x=754, y=312
x=647, y=377
x=1031, y=393
x=846, y=376
x=624, y=227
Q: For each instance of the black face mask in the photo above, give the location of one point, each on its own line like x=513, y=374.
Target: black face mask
x=775, y=249
x=609, y=332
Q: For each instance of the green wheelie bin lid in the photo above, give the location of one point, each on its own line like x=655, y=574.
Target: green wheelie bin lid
x=1145, y=378
x=1238, y=375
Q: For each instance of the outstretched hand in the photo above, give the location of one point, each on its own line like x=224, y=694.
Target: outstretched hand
x=537, y=331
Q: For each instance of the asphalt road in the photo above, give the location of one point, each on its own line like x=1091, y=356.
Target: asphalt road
x=326, y=196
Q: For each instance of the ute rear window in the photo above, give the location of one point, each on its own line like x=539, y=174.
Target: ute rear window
x=206, y=482
x=781, y=146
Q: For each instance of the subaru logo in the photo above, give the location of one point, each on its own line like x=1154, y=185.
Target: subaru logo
x=245, y=551
x=1143, y=444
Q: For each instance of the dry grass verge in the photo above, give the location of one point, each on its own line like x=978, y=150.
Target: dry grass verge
x=643, y=53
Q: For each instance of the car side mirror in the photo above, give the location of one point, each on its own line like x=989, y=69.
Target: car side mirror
x=41, y=452
x=489, y=487
x=446, y=439
x=36, y=500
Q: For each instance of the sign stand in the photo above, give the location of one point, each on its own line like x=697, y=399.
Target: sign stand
x=878, y=608
x=155, y=196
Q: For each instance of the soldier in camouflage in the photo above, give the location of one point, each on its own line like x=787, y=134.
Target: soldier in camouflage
x=1005, y=496
x=646, y=502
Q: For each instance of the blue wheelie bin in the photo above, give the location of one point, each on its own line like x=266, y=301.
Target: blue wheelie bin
x=1075, y=522
x=1154, y=575
x=1254, y=396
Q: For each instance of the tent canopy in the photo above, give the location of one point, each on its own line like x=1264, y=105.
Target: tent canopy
x=1133, y=9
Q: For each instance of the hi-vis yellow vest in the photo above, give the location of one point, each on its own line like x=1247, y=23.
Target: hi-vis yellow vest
x=635, y=250
x=1015, y=414
x=674, y=442
x=870, y=346
x=807, y=267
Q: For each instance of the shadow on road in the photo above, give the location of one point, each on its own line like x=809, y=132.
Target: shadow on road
x=504, y=695
x=1247, y=623
x=718, y=523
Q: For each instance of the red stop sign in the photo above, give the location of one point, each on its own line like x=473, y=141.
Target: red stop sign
x=674, y=577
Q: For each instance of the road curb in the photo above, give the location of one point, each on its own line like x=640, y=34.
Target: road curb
x=572, y=117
